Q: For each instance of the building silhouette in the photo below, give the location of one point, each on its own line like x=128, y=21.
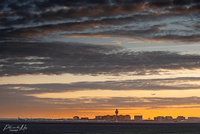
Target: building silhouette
x=193, y=119
x=180, y=118
x=168, y=118
x=84, y=118
x=138, y=118
x=75, y=117
x=114, y=117
x=159, y=118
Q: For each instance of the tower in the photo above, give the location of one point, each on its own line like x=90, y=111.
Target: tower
x=116, y=112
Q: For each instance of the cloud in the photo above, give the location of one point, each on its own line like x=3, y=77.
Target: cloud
x=52, y=3
x=91, y=11
x=109, y=27
x=86, y=8
x=27, y=17
x=191, y=9
x=155, y=4
x=159, y=4
x=77, y=10
x=20, y=58
x=8, y=18
x=30, y=32
x=153, y=33
x=16, y=99
x=43, y=5
x=6, y=14
x=179, y=83
x=182, y=2
x=19, y=6
x=2, y=4
x=177, y=38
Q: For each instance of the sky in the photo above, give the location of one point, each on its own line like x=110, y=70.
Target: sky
x=64, y=58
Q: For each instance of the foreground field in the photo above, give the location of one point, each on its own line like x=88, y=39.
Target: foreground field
x=101, y=128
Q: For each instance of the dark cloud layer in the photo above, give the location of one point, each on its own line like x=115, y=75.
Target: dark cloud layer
x=22, y=95
x=80, y=9
x=179, y=83
x=19, y=58
x=147, y=35
x=93, y=11
x=32, y=18
x=65, y=13
x=46, y=4
x=192, y=9
x=106, y=27
x=30, y=32
x=17, y=99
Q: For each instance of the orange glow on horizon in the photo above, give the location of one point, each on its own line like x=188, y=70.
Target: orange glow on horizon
x=69, y=113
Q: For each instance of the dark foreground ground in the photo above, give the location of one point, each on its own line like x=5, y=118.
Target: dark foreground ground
x=101, y=128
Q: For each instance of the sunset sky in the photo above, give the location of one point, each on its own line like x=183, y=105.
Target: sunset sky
x=65, y=58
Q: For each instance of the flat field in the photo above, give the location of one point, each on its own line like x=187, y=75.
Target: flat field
x=101, y=128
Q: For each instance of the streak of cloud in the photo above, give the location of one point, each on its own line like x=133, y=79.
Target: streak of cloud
x=20, y=58
x=19, y=100
x=179, y=83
